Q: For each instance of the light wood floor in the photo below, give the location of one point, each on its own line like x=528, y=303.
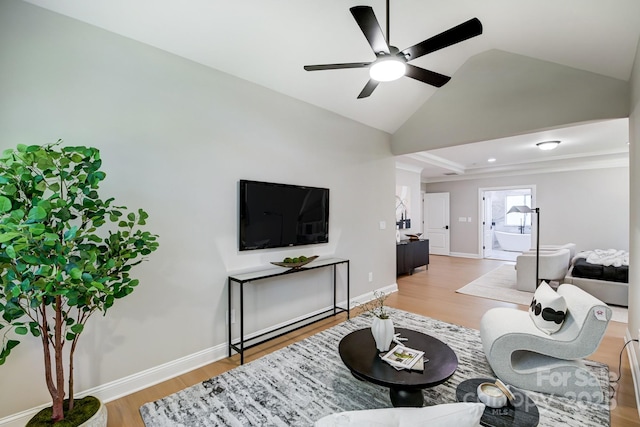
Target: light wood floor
x=427, y=292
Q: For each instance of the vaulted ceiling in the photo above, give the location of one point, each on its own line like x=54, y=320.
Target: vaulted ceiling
x=269, y=42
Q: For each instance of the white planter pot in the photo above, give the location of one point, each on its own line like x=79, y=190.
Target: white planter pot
x=99, y=419
x=382, y=330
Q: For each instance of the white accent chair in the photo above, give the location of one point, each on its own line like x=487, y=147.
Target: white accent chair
x=523, y=355
x=554, y=265
x=552, y=248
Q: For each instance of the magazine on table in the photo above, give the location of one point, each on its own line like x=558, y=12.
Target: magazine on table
x=401, y=357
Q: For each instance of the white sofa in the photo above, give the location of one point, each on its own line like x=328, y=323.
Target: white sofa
x=460, y=414
x=553, y=266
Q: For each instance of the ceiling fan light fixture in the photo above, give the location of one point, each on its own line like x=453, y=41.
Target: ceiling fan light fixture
x=387, y=69
x=548, y=145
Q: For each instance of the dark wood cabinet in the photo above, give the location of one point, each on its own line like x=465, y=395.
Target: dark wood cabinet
x=411, y=254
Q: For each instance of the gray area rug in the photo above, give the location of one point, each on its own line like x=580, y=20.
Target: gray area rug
x=299, y=384
x=500, y=285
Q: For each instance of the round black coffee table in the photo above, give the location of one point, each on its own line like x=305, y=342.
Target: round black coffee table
x=358, y=352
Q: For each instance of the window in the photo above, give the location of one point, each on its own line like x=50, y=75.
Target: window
x=515, y=218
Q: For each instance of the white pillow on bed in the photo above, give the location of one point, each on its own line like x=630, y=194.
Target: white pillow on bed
x=447, y=415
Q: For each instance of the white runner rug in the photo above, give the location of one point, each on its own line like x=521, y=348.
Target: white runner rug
x=500, y=285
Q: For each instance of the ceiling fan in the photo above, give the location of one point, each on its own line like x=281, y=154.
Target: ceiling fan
x=392, y=63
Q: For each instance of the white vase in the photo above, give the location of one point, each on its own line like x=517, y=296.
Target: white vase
x=382, y=331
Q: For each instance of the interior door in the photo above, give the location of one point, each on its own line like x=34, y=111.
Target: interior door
x=436, y=222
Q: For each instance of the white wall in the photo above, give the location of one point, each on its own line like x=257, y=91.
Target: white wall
x=175, y=138
x=634, y=225
x=589, y=208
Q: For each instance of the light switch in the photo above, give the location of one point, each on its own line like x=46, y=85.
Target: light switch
x=469, y=219
x=462, y=219
x=383, y=225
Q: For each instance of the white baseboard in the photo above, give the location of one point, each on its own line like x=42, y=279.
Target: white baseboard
x=132, y=383
x=635, y=367
x=464, y=255
x=369, y=295
x=150, y=377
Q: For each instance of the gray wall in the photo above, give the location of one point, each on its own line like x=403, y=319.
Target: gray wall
x=175, y=138
x=589, y=208
x=529, y=95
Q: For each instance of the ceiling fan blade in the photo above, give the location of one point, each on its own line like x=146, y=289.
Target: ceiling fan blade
x=368, y=88
x=370, y=27
x=464, y=31
x=429, y=77
x=337, y=66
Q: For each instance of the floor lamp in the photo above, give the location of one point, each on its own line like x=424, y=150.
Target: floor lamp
x=537, y=211
x=525, y=210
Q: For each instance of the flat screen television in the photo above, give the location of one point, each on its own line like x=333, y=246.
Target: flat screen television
x=281, y=215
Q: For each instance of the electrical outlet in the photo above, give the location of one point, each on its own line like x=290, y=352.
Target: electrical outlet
x=371, y=276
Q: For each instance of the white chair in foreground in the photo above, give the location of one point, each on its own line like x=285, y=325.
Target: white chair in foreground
x=554, y=266
x=522, y=354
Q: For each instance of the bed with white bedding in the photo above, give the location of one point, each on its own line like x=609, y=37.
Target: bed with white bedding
x=604, y=273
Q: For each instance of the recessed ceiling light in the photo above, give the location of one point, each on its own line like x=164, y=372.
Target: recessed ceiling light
x=548, y=145
x=491, y=160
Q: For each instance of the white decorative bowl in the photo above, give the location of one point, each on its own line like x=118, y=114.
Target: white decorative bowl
x=491, y=395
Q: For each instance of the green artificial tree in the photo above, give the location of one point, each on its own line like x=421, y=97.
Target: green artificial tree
x=65, y=253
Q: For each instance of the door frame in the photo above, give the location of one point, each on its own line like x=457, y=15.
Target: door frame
x=481, y=211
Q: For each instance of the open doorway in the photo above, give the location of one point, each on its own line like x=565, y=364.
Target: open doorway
x=505, y=231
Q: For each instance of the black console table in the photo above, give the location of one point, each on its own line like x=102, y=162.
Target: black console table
x=240, y=345
x=411, y=254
